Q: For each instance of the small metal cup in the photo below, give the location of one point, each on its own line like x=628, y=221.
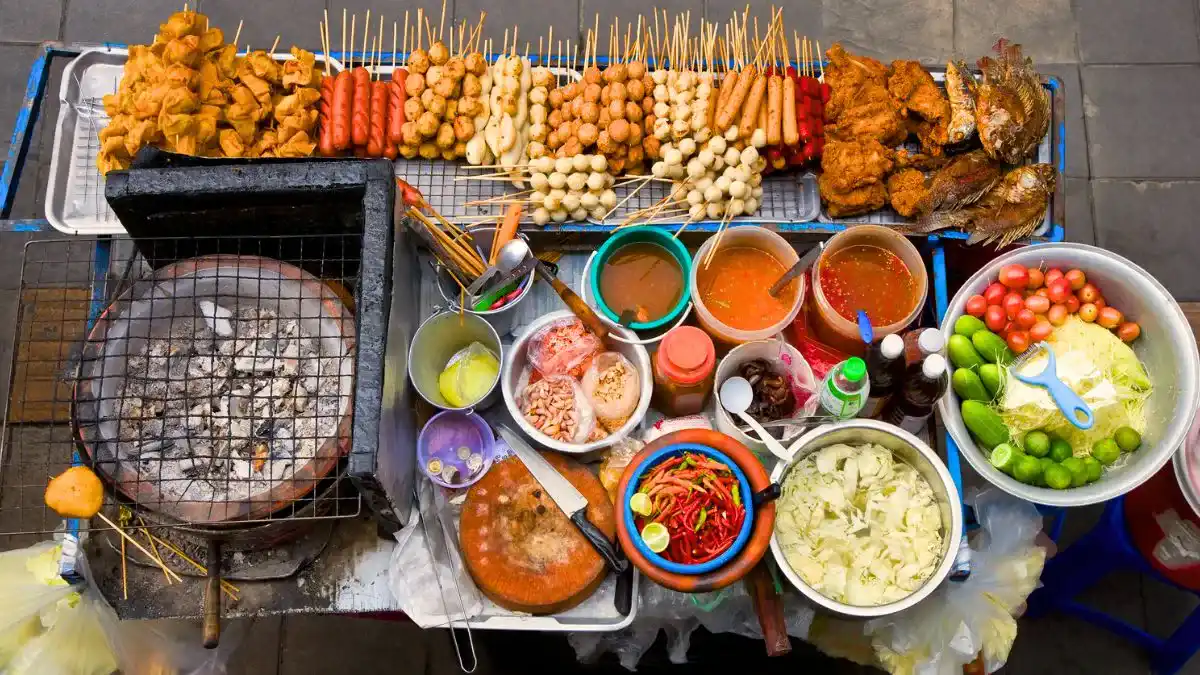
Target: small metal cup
x=440, y=337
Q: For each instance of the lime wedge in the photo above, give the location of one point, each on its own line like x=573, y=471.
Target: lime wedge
x=656, y=537
x=640, y=504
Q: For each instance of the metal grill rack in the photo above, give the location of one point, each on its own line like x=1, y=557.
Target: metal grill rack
x=209, y=382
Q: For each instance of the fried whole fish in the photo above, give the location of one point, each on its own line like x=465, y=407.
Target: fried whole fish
x=962, y=90
x=1012, y=111
x=962, y=182
x=1011, y=210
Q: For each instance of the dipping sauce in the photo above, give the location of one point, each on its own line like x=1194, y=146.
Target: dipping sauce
x=735, y=288
x=869, y=278
x=642, y=277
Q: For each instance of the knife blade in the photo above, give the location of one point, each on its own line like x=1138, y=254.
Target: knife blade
x=565, y=496
x=802, y=264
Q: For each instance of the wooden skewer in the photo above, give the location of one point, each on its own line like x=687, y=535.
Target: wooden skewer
x=238, y=33
x=442, y=21
x=351, y=57
x=274, y=45
x=343, y=52
x=135, y=542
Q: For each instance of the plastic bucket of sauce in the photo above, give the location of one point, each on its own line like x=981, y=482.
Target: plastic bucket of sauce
x=661, y=282
x=871, y=268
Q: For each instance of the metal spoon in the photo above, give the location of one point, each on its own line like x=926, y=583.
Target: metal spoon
x=736, y=396
x=510, y=255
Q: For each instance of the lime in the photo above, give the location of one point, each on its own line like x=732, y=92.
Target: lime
x=1106, y=451
x=1004, y=457
x=1058, y=477
x=1127, y=439
x=1079, y=474
x=656, y=537
x=1028, y=470
x=1037, y=443
x=1046, y=463
x=1094, y=469
x=640, y=504
x=1060, y=449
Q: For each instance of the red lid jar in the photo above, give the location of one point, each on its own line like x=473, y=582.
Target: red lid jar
x=684, y=367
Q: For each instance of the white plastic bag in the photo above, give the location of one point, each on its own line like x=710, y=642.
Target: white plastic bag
x=571, y=422
x=614, y=389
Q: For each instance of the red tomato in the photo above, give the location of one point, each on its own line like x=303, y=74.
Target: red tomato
x=1073, y=304
x=1060, y=290
x=1129, y=331
x=1040, y=331
x=1109, y=317
x=1013, y=303
x=1057, y=315
x=1037, y=278
x=1088, y=293
x=1038, y=304
x=1026, y=318
x=995, y=293
x=1043, y=292
x=977, y=305
x=1100, y=302
x=1018, y=341
x=994, y=318
x=1076, y=278
x=1088, y=312
x=1053, y=274
x=1014, y=276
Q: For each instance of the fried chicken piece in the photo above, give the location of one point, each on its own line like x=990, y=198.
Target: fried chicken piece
x=261, y=65
x=117, y=126
x=879, y=120
x=299, y=145
x=180, y=100
x=847, y=74
x=173, y=125
x=246, y=129
x=231, y=143
x=259, y=88
x=914, y=89
x=180, y=24
x=141, y=134
x=147, y=103
x=852, y=203
x=907, y=191
x=211, y=39
x=185, y=50
x=848, y=165
x=301, y=122
x=906, y=159
x=226, y=61
x=179, y=75
x=300, y=71
x=298, y=102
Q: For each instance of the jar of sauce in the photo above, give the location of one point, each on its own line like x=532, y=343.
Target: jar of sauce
x=684, y=367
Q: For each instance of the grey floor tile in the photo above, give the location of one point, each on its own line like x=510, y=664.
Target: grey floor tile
x=124, y=21
x=1126, y=138
x=12, y=251
x=30, y=20
x=263, y=21
x=1044, y=28
x=1058, y=644
x=1167, y=607
x=361, y=645
x=1152, y=224
x=891, y=29
x=259, y=651
x=529, y=19
x=1077, y=147
x=14, y=73
x=1080, y=226
x=1117, y=31
x=9, y=300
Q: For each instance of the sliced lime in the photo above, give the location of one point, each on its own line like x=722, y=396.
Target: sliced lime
x=656, y=537
x=640, y=504
x=1004, y=456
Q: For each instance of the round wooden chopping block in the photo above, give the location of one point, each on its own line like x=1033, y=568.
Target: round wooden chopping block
x=522, y=551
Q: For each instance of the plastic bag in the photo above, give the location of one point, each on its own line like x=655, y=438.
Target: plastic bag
x=616, y=458
x=469, y=375
x=614, y=389
x=668, y=425
x=963, y=620
x=557, y=407
x=30, y=590
x=563, y=347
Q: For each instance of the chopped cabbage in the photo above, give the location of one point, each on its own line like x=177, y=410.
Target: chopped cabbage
x=858, y=525
x=1095, y=364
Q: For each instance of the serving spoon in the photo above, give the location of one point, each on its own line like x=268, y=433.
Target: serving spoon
x=736, y=395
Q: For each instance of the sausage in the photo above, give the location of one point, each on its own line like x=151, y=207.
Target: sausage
x=737, y=97
x=377, y=137
x=791, y=135
x=728, y=83
x=710, y=114
x=396, y=100
x=325, y=132
x=762, y=119
x=360, y=126
x=343, y=95
x=774, y=110
x=391, y=150
x=758, y=92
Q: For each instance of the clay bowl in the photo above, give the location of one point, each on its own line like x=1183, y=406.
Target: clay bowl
x=760, y=535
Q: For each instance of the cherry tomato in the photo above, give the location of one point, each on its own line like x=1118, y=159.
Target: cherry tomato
x=1073, y=304
x=1060, y=290
x=1100, y=302
x=1088, y=293
x=1037, y=278
x=791, y=72
x=995, y=293
x=1040, y=331
x=977, y=305
x=994, y=318
x=1038, y=304
x=1088, y=312
x=1014, y=276
x=1109, y=317
x=1043, y=292
x=1013, y=303
x=805, y=131
x=1129, y=331
x=1057, y=315
x=826, y=90
x=1052, y=275
x=1018, y=341
x=1026, y=318
x=1076, y=278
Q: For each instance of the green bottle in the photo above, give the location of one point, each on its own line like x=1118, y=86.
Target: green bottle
x=845, y=389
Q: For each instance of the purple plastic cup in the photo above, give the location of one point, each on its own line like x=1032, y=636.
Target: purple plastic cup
x=455, y=448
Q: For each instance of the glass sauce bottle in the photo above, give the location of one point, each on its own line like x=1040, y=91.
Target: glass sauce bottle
x=684, y=367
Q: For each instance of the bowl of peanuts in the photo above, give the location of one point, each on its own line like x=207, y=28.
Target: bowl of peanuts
x=592, y=396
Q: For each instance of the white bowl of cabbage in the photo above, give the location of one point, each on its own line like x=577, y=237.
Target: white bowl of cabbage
x=868, y=522
x=1095, y=364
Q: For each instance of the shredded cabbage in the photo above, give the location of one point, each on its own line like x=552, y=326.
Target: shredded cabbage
x=1095, y=364
x=858, y=525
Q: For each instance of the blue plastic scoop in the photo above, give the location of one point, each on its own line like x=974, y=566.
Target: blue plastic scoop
x=1071, y=405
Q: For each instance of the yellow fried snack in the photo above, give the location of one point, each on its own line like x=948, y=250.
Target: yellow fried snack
x=75, y=493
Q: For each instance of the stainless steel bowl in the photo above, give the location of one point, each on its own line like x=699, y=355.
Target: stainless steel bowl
x=912, y=451
x=1166, y=347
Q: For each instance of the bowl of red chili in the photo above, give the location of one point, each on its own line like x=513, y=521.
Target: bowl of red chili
x=700, y=495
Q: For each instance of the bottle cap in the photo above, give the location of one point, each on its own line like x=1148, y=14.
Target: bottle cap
x=892, y=346
x=686, y=355
x=934, y=366
x=854, y=369
x=930, y=341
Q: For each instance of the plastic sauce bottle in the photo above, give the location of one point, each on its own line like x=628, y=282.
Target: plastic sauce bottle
x=920, y=343
x=912, y=408
x=845, y=389
x=683, y=371
x=885, y=368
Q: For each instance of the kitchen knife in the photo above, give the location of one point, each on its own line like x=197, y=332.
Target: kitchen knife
x=802, y=264
x=570, y=500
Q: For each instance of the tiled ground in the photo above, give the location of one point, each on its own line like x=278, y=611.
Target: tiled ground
x=1132, y=76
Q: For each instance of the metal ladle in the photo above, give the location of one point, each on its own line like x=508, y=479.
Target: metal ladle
x=736, y=396
x=510, y=255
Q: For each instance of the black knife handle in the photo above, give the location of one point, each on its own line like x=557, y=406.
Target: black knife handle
x=599, y=542
x=624, y=593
